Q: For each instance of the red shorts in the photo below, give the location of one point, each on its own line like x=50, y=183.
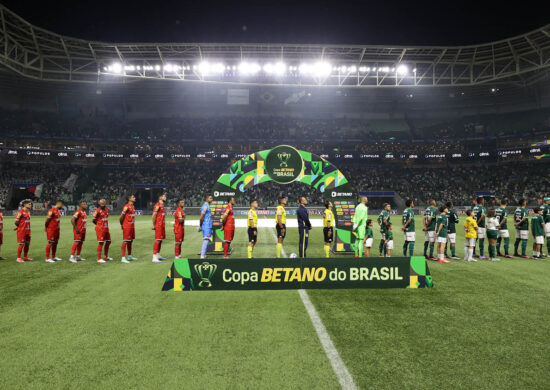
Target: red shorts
x=1, y=237
x=79, y=237
x=103, y=235
x=180, y=234
x=23, y=237
x=228, y=234
x=160, y=233
x=128, y=233
x=53, y=235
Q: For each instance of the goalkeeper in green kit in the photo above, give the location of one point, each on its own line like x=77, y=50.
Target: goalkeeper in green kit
x=360, y=225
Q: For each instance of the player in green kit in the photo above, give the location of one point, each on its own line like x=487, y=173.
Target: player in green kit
x=360, y=225
x=384, y=222
x=429, y=229
x=503, y=233
x=452, y=215
x=521, y=222
x=546, y=216
x=537, y=226
x=480, y=213
x=408, y=228
x=441, y=231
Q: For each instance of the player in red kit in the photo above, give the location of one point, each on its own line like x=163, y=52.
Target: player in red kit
x=79, y=231
x=127, y=219
x=101, y=222
x=1, y=233
x=179, y=228
x=159, y=228
x=23, y=227
x=53, y=219
x=228, y=222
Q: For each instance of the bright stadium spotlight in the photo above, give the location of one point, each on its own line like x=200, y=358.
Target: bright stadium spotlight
x=168, y=68
x=402, y=70
x=115, y=68
x=278, y=68
x=248, y=68
x=352, y=69
x=206, y=68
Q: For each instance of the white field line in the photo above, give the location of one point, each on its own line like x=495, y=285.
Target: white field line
x=342, y=373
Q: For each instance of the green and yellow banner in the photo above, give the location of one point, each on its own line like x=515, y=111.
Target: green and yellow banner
x=274, y=274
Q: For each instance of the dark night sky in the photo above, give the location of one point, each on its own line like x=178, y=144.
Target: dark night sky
x=382, y=22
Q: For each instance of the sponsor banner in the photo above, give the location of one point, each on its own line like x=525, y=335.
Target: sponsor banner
x=275, y=274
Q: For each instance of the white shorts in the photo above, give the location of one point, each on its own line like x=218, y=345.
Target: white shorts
x=470, y=242
x=368, y=242
x=389, y=245
x=522, y=234
x=503, y=233
x=410, y=236
x=442, y=240
x=429, y=236
x=480, y=232
x=539, y=240
x=547, y=229
x=452, y=238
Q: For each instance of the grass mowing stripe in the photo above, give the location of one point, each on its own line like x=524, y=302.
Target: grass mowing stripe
x=344, y=377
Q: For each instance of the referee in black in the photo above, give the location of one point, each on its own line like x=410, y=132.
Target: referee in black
x=304, y=226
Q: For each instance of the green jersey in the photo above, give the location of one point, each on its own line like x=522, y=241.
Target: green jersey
x=431, y=212
x=442, y=220
x=389, y=235
x=502, y=215
x=452, y=216
x=383, y=221
x=537, y=223
x=361, y=215
x=519, y=214
x=369, y=233
x=480, y=210
x=408, y=215
x=546, y=212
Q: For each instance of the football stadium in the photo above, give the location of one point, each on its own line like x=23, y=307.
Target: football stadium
x=245, y=213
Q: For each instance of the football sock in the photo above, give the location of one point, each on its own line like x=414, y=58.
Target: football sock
x=481, y=246
x=177, y=249
x=466, y=253
x=19, y=249
x=99, y=249
x=79, y=248
x=73, y=249
x=506, y=245
x=381, y=248
x=225, y=248
x=516, y=246
x=432, y=250
x=523, y=247
x=360, y=247
x=48, y=246
x=491, y=251
x=204, y=247
x=327, y=250
x=123, y=249
x=453, y=251
x=279, y=249
x=498, y=244
x=445, y=252
x=129, y=247
x=426, y=248
x=470, y=253
x=411, y=248
x=405, y=245
x=249, y=249
x=107, y=245
x=548, y=245
x=54, y=249
x=26, y=249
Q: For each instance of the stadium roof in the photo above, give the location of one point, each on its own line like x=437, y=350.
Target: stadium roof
x=41, y=54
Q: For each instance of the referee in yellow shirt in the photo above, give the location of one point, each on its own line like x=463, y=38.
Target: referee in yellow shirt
x=470, y=229
x=252, y=227
x=328, y=226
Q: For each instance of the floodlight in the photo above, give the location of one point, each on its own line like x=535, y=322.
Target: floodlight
x=402, y=70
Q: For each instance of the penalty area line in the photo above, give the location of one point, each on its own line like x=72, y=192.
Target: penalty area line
x=339, y=367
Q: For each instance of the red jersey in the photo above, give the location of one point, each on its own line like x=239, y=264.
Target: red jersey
x=179, y=214
x=1, y=221
x=230, y=220
x=55, y=217
x=24, y=218
x=80, y=216
x=129, y=216
x=102, y=219
x=159, y=209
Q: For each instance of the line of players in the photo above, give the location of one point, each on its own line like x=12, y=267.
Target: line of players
x=439, y=226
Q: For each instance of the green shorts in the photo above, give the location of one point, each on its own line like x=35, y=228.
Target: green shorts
x=492, y=234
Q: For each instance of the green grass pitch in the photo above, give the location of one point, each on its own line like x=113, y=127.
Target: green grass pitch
x=483, y=326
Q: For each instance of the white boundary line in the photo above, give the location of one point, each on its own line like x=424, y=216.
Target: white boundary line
x=344, y=377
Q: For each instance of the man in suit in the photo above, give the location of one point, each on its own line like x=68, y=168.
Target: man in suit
x=304, y=226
